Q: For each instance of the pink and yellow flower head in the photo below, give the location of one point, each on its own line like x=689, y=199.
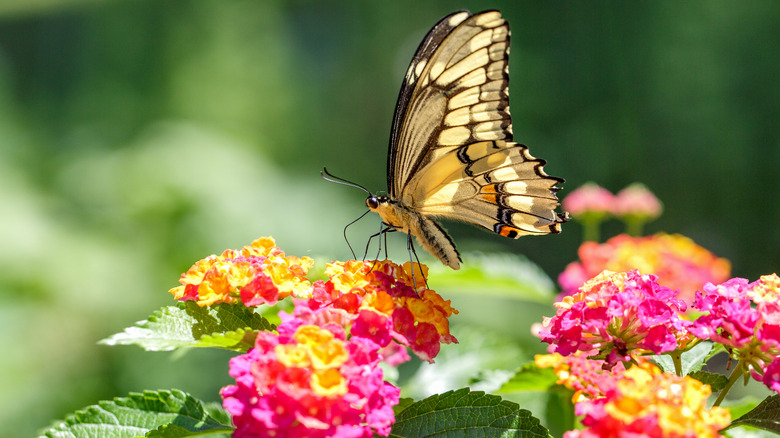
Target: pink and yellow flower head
x=318, y=376
x=745, y=317
x=309, y=381
x=677, y=261
x=589, y=378
x=378, y=301
x=636, y=201
x=257, y=274
x=648, y=403
x=589, y=199
x=617, y=316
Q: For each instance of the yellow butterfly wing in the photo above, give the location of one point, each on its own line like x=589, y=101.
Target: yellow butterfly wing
x=455, y=92
x=451, y=150
x=496, y=184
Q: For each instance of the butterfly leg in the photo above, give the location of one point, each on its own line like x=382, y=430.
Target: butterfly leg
x=345, y=234
x=383, y=229
x=410, y=248
x=371, y=237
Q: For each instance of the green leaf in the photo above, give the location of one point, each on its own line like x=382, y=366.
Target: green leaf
x=741, y=406
x=765, y=416
x=692, y=360
x=716, y=349
x=536, y=389
x=716, y=381
x=495, y=275
x=152, y=413
x=466, y=413
x=530, y=378
x=228, y=326
x=403, y=403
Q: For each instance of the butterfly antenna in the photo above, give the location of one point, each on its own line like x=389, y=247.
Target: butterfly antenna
x=334, y=179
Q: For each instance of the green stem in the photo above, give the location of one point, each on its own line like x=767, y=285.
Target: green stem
x=634, y=227
x=735, y=375
x=591, y=231
x=676, y=356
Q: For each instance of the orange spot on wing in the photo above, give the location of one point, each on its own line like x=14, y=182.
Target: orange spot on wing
x=509, y=232
x=491, y=188
x=489, y=198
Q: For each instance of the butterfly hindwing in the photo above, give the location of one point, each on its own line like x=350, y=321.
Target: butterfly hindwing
x=496, y=184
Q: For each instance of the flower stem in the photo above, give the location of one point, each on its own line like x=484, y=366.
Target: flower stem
x=634, y=227
x=591, y=231
x=735, y=375
x=676, y=356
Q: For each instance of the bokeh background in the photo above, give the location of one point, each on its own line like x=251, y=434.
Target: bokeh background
x=139, y=136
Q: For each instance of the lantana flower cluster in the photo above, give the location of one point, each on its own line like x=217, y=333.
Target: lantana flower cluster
x=588, y=378
x=259, y=273
x=310, y=381
x=745, y=317
x=615, y=315
x=601, y=334
x=645, y=402
x=379, y=301
x=318, y=376
x=677, y=261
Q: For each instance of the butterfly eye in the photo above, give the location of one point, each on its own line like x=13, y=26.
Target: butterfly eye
x=372, y=202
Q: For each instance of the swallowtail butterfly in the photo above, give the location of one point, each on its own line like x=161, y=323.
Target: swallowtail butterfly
x=451, y=152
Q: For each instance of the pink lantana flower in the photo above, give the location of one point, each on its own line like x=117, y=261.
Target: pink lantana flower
x=636, y=201
x=646, y=403
x=617, y=316
x=379, y=301
x=587, y=377
x=678, y=262
x=745, y=317
x=590, y=198
x=635, y=206
x=310, y=381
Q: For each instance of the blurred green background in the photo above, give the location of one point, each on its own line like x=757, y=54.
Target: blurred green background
x=139, y=136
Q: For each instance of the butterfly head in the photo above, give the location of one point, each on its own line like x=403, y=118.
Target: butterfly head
x=373, y=201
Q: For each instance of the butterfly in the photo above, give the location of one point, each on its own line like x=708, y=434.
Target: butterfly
x=451, y=152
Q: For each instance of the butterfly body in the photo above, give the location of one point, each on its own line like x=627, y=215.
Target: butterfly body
x=431, y=235
x=451, y=152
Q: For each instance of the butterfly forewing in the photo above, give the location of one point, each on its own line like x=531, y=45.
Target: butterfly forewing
x=457, y=94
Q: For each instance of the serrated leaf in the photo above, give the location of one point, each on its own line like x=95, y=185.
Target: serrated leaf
x=765, y=416
x=715, y=350
x=151, y=413
x=692, y=360
x=228, y=326
x=741, y=406
x=403, y=403
x=466, y=413
x=716, y=381
x=536, y=389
